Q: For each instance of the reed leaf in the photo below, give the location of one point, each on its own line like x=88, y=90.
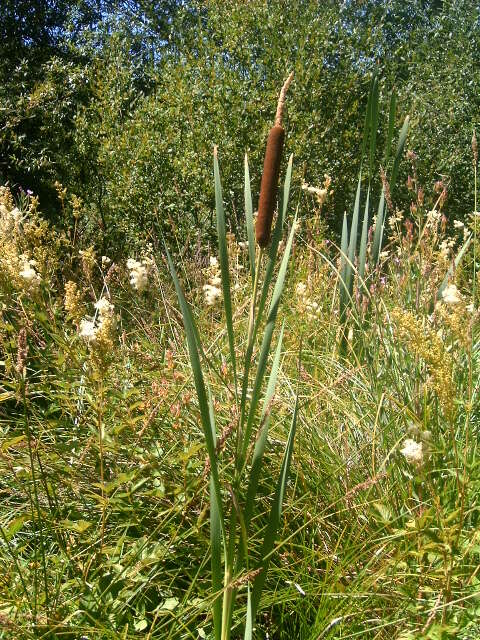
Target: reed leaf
x=266, y=342
x=193, y=350
x=249, y=219
x=223, y=256
x=363, y=242
x=402, y=138
x=262, y=438
x=373, y=124
x=353, y=239
x=274, y=518
x=391, y=125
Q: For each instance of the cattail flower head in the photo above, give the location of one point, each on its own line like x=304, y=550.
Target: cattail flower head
x=475, y=149
x=271, y=171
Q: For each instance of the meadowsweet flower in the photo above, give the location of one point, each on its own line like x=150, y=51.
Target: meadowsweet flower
x=451, y=295
x=106, y=261
x=139, y=272
x=212, y=294
x=28, y=272
x=458, y=224
x=104, y=307
x=413, y=451
x=88, y=330
x=211, y=289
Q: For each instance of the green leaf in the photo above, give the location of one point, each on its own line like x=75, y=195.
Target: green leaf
x=378, y=235
x=192, y=333
x=249, y=220
x=363, y=242
x=398, y=155
x=262, y=438
x=343, y=269
x=275, y=515
x=223, y=256
x=391, y=125
x=266, y=342
x=373, y=124
x=353, y=239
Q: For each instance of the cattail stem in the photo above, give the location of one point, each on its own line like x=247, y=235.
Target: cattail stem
x=281, y=100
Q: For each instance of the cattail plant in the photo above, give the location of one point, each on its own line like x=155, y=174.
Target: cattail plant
x=233, y=493
x=349, y=239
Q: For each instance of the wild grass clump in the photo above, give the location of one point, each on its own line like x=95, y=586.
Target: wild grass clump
x=143, y=476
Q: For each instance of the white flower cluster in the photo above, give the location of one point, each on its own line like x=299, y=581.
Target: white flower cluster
x=451, y=295
x=91, y=328
x=413, y=451
x=308, y=305
x=140, y=272
x=446, y=247
x=212, y=290
x=320, y=193
x=28, y=272
x=433, y=218
x=9, y=220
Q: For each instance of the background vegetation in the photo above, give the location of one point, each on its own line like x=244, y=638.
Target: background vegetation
x=122, y=101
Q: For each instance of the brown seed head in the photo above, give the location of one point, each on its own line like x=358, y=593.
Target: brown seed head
x=475, y=148
x=269, y=185
x=22, y=352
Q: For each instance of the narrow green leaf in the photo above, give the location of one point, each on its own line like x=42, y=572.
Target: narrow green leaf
x=363, y=242
x=216, y=561
x=223, y=256
x=262, y=438
x=366, y=124
x=276, y=237
x=249, y=219
x=274, y=518
x=353, y=238
x=378, y=234
x=343, y=269
x=249, y=620
x=272, y=257
x=391, y=125
x=399, y=153
x=267, y=339
x=373, y=124
x=192, y=333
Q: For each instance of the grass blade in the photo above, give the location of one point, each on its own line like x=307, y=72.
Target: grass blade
x=216, y=562
x=398, y=155
x=249, y=220
x=363, y=242
x=223, y=255
x=262, y=439
x=373, y=125
x=353, y=238
x=343, y=269
x=266, y=342
x=275, y=515
x=391, y=125
x=378, y=235
x=192, y=333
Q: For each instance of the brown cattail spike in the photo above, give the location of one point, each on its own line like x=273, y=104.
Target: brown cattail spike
x=271, y=171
